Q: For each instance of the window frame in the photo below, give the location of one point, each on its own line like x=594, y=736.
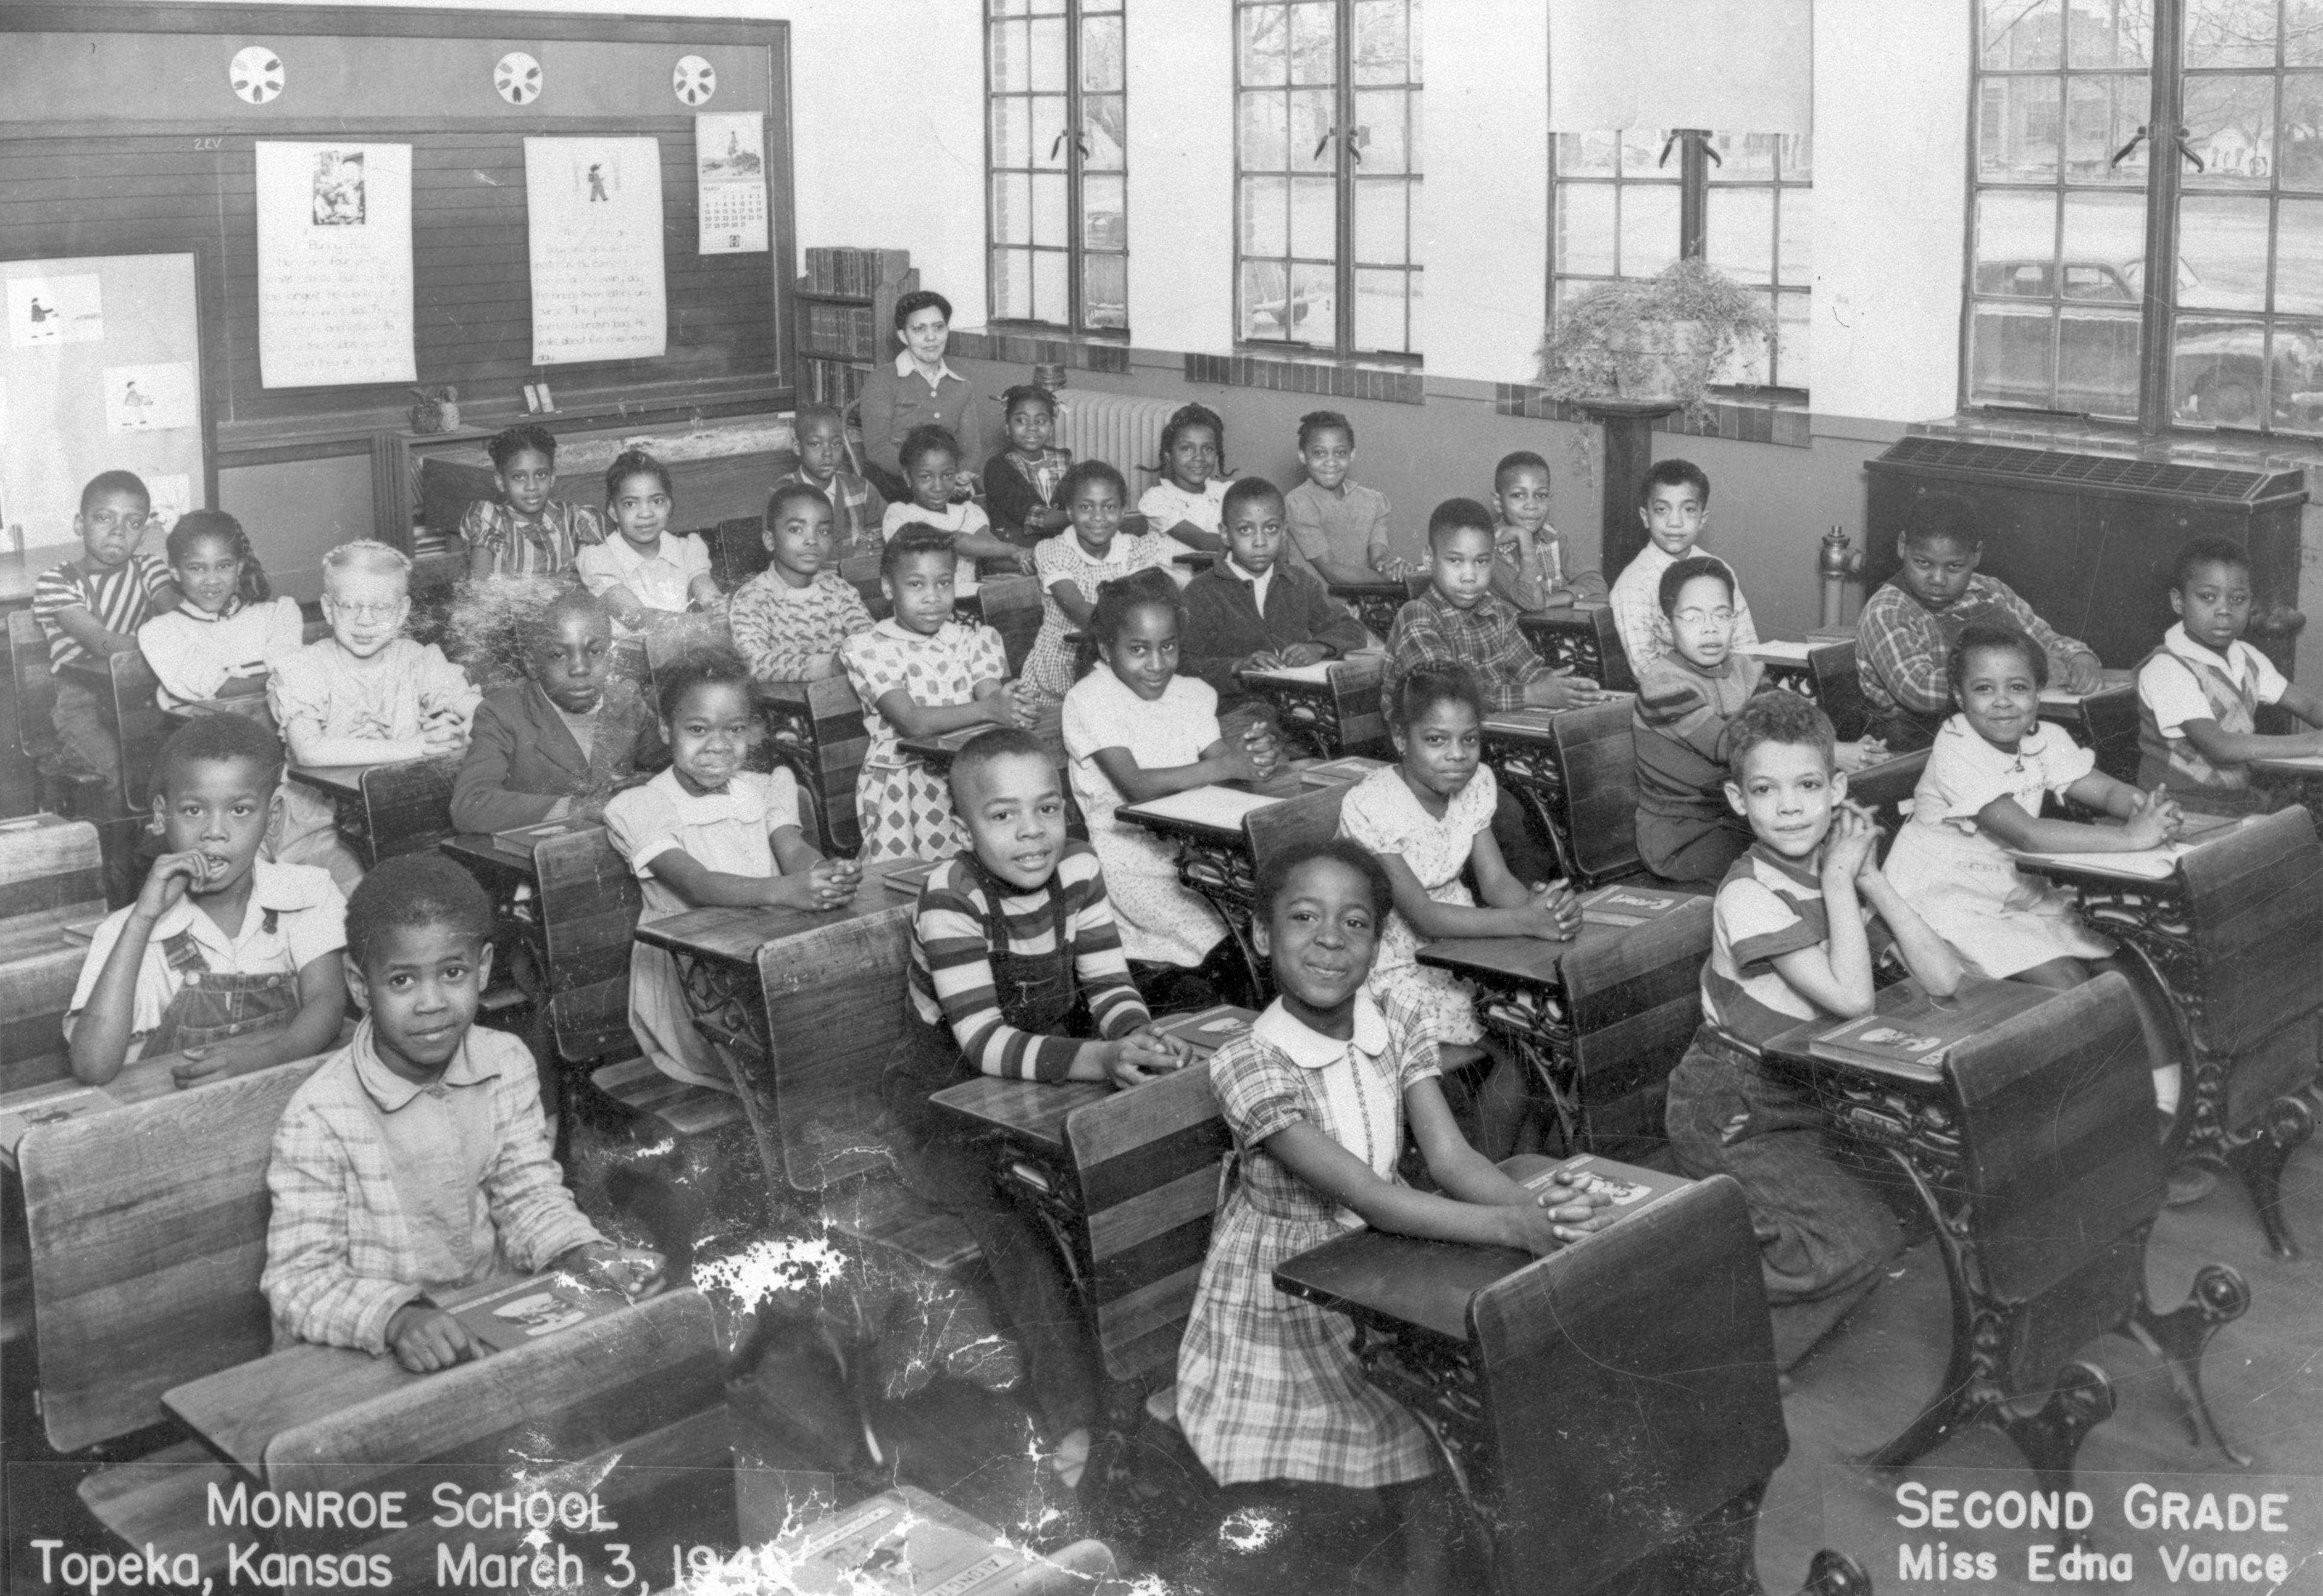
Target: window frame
x=1076, y=249
x=1343, y=347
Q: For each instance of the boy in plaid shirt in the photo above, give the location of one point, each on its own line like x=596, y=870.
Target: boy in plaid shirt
x=1459, y=618
x=789, y=620
x=415, y=1159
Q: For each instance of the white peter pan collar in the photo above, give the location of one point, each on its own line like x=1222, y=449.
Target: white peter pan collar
x=1311, y=1050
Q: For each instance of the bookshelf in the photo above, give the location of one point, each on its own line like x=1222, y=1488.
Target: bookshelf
x=846, y=309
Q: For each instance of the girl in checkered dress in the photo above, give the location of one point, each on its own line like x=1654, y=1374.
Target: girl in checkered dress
x=1318, y=1094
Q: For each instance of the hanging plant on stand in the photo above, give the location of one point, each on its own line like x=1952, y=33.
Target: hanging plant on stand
x=1627, y=353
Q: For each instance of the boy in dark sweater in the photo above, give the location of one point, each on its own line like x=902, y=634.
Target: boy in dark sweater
x=1253, y=610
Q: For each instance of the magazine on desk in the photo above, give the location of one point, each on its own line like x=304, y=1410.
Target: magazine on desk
x=1912, y=1036
x=1625, y=904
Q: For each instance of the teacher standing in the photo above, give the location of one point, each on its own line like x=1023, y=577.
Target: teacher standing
x=919, y=390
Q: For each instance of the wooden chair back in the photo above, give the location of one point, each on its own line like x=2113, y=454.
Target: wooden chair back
x=2057, y=1142
x=407, y=808
x=1657, y=1326
x=1148, y=1164
x=2255, y=898
x=834, y=1001
x=1838, y=689
x=147, y=1225
x=1011, y=607
x=1596, y=757
x=863, y=571
x=35, y=685
x=816, y=728
x=51, y=875
x=138, y=715
x=738, y=550
x=1634, y=1002
x=631, y=1407
x=589, y=902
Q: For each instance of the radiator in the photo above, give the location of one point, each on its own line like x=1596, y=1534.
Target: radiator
x=1119, y=428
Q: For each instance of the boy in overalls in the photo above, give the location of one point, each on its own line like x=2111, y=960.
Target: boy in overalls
x=1015, y=961
x=225, y=957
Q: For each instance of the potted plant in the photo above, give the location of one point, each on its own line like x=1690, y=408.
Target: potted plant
x=1627, y=353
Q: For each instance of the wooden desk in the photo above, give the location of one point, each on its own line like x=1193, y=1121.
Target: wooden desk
x=521, y=946
x=816, y=728
x=1580, y=638
x=2029, y=1143
x=1574, y=771
x=2103, y=721
x=1329, y=709
x=1219, y=862
x=2233, y=934
x=1822, y=671
x=1600, y=1020
x=1375, y=603
x=1530, y=1375
x=395, y=807
x=937, y=748
x=2301, y=780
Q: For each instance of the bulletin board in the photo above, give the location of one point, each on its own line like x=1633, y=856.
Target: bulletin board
x=134, y=127
x=101, y=368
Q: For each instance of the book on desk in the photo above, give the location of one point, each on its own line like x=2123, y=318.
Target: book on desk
x=1771, y=651
x=1314, y=675
x=906, y=880
x=1910, y=1033
x=50, y=1106
x=1624, y=904
x=1340, y=773
x=520, y=840
x=522, y=1311
x=1206, y=1030
x=2144, y=864
x=1225, y=808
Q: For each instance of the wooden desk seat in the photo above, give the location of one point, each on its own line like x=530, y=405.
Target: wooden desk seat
x=1375, y=603
x=1341, y=715
x=1594, y=755
x=385, y=809
x=35, y=684
x=1884, y=788
x=816, y=729
x=1581, y=638
x=738, y=550
x=1228, y=879
x=51, y=877
x=2105, y=722
x=1011, y=607
x=137, y=715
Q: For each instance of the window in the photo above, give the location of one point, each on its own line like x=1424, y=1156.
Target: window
x=1057, y=155
x=1632, y=202
x=2076, y=203
x=1327, y=178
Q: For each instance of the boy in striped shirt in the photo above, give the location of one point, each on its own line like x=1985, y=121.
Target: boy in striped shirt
x=1016, y=972
x=91, y=608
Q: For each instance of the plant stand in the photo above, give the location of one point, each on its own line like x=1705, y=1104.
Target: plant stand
x=1628, y=428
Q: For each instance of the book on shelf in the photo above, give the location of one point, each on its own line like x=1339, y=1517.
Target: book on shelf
x=523, y=1311
x=1911, y=1034
x=856, y=273
x=1208, y=1030
x=1627, y=904
x=50, y=1106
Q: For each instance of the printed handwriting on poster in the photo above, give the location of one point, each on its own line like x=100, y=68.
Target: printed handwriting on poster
x=729, y=159
x=333, y=264
x=598, y=291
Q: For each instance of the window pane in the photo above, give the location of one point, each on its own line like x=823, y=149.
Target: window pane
x=1379, y=311
x=2103, y=114
x=1012, y=209
x=1648, y=229
x=1104, y=140
x=1266, y=45
x=1012, y=284
x=1383, y=38
x=2230, y=121
x=1414, y=106
x=1314, y=44
x=1101, y=54
x=1011, y=55
x=1314, y=218
x=1048, y=209
x=1048, y=57
x=1008, y=8
x=1104, y=291
x=1048, y=132
x=2105, y=246
x=1314, y=304
x=2097, y=362
x=1266, y=133
x=2012, y=358
x=1312, y=118
x=2298, y=256
x=1790, y=337
x=2230, y=32
x=1105, y=219
x=2021, y=33
x=2222, y=252
x=1011, y=132
x=1264, y=302
x=1047, y=8
x=1747, y=366
x=1586, y=155
x=1265, y=216
x=2016, y=129
x=2302, y=33
x=2294, y=394
x=1381, y=234
x=1049, y=289
x=1379, y=112
x=2014, y=231
x=2109, y=32
x=1641, y=153
x=2302, y=131
x=1796, y=261
x=1584, y=229
x=2218, y=375
x=1741, y=233
x=1749, y=158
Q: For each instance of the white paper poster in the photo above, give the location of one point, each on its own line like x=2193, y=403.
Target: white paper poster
x=172, y=495
x=151, y=399
x=55, y=310
x=333, y=264
x=729, y=169
x=597, y=283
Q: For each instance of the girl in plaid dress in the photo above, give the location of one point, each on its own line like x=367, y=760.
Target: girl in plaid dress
x=1317, y=1096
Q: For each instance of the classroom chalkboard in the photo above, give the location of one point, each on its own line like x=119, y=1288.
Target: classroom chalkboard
x=129, y=129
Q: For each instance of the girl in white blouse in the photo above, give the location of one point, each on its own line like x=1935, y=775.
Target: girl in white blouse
x=222, y=641
x=1188, y=504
